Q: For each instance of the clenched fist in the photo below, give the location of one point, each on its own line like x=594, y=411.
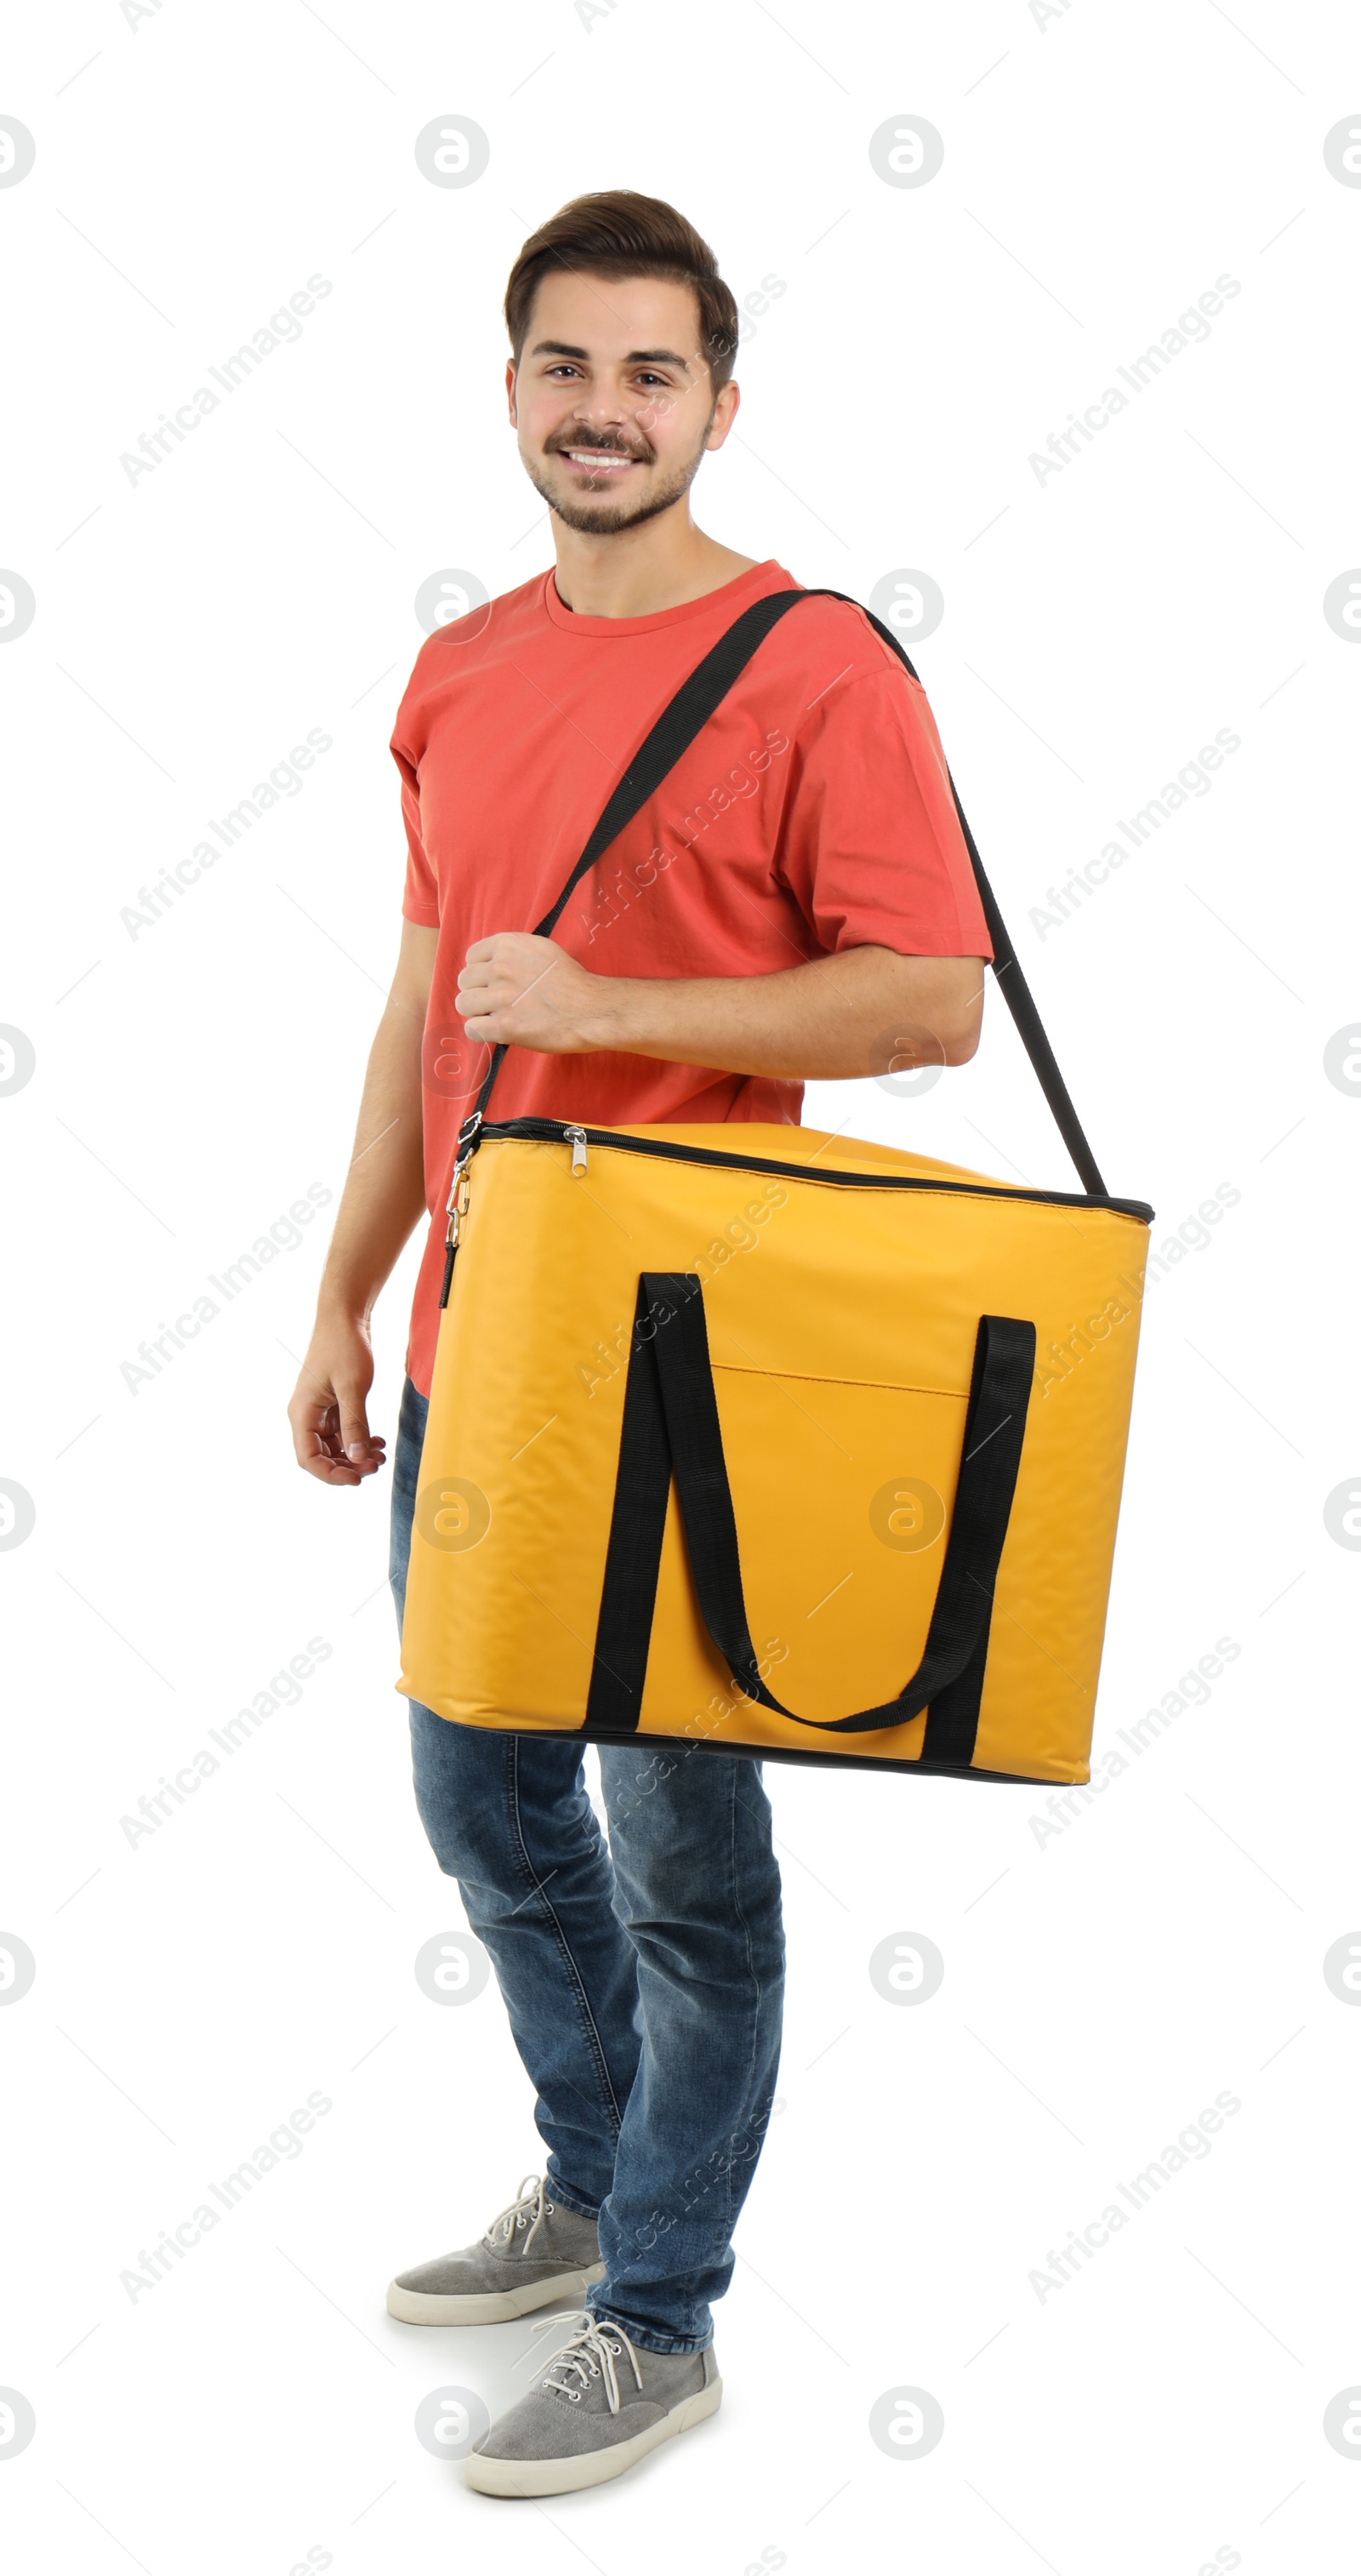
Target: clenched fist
x=517, y=990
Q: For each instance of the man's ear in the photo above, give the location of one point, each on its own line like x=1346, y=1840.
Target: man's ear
x=510, y=392
x=724, y=414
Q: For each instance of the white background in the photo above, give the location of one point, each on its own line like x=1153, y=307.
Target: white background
x=1101, y=1986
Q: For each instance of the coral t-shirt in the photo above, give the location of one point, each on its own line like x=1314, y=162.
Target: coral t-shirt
x=812, y=813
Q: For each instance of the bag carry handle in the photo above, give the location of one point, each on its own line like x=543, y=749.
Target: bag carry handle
x=671, y=1426
x=675, y=730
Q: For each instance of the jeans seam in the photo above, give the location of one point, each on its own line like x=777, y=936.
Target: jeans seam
x=677, y=2343
x=754, y=1974
x=587, y=2017
x=561, y=2200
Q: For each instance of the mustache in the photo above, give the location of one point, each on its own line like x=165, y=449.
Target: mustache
x=598, y=447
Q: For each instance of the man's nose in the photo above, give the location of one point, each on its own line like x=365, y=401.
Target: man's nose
x=604, y=406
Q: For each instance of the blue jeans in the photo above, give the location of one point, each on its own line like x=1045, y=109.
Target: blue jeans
x=643, y=1978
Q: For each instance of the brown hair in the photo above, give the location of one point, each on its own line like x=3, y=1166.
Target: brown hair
x=614, y=232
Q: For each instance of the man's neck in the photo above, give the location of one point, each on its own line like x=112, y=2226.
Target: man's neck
x=639, y=572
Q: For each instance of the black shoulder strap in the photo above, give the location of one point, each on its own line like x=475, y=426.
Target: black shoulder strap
x=676, y=728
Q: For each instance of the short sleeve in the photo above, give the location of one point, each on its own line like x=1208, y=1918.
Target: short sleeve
x=420, y=899
x=870, y=846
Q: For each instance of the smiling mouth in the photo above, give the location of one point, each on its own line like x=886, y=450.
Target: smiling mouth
x=597, y=460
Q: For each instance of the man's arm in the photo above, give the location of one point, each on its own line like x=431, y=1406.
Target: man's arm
x=855, y=1012
x=383, y=1198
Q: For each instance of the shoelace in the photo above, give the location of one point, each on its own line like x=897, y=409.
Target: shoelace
x=591, y=2353
x=529, y=2199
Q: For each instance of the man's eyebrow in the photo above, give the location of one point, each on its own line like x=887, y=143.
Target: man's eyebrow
x=635, y=357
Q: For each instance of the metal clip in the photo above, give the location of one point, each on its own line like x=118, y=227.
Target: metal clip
x=458, y=1207
x=457, y=1202
x=576, y=1138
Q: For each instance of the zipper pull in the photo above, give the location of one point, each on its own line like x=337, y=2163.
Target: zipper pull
x=576, y=1138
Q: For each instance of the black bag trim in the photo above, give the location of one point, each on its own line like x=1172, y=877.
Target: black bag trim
x=612, y=1140
x=676, y=728
x=671, y=1425
x=808, y=1756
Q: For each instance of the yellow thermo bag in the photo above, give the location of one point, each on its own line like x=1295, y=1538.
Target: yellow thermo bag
x=759, y=1439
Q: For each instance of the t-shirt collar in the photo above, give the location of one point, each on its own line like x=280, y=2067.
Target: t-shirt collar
x=732, y=595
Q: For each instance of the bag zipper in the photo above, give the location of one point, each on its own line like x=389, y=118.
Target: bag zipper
x=556, y=1131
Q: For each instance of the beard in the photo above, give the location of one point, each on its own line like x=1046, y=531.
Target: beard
x=593, y=520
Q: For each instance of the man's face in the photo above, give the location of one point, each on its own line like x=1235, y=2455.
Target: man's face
x=613, y=403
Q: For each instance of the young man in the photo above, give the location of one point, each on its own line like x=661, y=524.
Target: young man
x=821, y=908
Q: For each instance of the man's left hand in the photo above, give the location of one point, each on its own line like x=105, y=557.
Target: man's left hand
x=517, y=990
x=846, y=1013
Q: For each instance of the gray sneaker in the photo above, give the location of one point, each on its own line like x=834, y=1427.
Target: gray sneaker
x=533, y=2253
x=580, y=2425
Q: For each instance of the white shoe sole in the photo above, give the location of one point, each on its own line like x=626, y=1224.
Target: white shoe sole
x=564, y=2477
x=489, y=2307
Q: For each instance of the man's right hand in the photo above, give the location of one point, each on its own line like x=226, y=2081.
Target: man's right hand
x=327, y=1408
x=383, y=1199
